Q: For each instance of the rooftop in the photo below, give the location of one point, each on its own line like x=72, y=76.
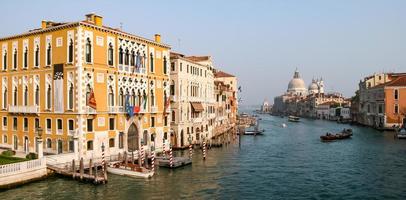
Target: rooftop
x=221, y=74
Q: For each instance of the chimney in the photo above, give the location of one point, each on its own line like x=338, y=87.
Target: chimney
x=43, y=24
x=157, y=38
x=95, y=19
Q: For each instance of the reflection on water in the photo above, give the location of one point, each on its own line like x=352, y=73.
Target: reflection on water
x=285, y=163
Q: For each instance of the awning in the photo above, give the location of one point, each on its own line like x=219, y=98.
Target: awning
x=197, y=107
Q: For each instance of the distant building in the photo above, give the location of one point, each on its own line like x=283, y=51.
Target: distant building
x=266, y=107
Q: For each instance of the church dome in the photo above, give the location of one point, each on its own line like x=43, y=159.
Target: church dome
x=297, y=85
x=313, y=86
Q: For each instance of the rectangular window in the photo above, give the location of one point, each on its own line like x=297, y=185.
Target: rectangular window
x=121, y=140
x=111, y=142
x=4, y=123
x=49, y=124
x=15, y=123
x=59, y=125
x=71, y=125
x=111, y=124
x=90, y=145
x=172, y=66
x=89, y=125
x=396, y=94
x=180, y=67
x=25, y=124
x=152, y=121
x=166, y=121
x=396, y=109
x=36, y=125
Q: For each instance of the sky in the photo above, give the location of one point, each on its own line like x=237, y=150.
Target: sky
x=261, y=42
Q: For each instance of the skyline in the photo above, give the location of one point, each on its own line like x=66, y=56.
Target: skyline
x=321, y=39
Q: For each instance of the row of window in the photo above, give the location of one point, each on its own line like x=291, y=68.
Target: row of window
x=189, y=69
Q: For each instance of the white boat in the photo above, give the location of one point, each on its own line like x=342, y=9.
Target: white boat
x=121, y=170
x=401, y=134
x=293, y=119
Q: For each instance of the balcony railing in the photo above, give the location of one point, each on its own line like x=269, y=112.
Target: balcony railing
x=90, y=110
x=23, y=109
x=71, y=132
x=154, y=109
x=197, y=120
x=116, y=109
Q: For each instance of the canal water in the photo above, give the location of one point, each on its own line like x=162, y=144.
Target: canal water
x=284, y=163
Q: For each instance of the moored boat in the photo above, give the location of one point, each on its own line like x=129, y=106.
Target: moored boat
x=131, y=170
x=294, y=118
x=401, y=134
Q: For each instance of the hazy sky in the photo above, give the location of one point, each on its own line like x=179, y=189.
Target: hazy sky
x=261, y=42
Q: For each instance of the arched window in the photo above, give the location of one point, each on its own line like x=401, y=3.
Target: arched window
x=88, y=50
x=111, y=96
x=127, y=57
x=88, y=91
x=132, y=63
x=151, y=62
x=70, y=97
x=25, y=96
x=173, y=116
x=5, y=60
x=36, y=56
x=172, y=88
x=5, y=98
x=49, y=143
x=49, y=55
x=152, y=98
x=121, y=97
x=15, y=59
x=110, y=54
x=37, y=95
x=49, y=96
x=133, y=97
x=120, y=56
x=15, y=94
x=70, y=51
x=165, y=65
x=25, y=57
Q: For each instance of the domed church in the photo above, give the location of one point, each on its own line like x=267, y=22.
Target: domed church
x=297, y=85
x=316, y=87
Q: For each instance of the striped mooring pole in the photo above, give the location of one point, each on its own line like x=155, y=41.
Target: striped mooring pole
x=153, y=161
x=142, y=156
x=204, y=150
x=103, y=159
x=163, y=151
x=190, y=151
x=170, y=157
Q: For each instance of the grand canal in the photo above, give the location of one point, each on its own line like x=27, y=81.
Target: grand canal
x=285, y=163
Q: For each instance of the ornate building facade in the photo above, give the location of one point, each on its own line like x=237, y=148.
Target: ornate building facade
x=85, y=85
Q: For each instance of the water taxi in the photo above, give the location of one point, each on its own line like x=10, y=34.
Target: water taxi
x=344, y=134
x=131, y=170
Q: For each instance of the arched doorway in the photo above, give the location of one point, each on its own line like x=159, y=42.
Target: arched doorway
x=26, y=149
x=173, y=139
x=182, y=142
x=132, y=138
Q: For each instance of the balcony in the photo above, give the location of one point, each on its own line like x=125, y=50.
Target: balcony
x=154, y=109
x=23, y=109
x=173, y=98
x=90, y=110
x=116, y=109
x=197, y=120
x=140, y=70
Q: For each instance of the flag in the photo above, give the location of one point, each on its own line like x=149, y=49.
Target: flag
x=128, y=108
x=58, y=89
x=138, y=61
x=136, y=109
x=92, y=100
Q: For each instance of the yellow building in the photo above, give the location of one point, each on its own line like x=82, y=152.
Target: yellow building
x=50, y=75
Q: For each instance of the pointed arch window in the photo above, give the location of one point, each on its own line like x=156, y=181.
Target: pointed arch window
x=49, y=96
x=127, y=57
x=5, y=98
x=70, y=97
x=70, y=51
x=121, y=97
x=5, y=60
x=15, y=59
x=25, y=96
x=36, y=56
x=120, y=56
x=111, y=96
x=37, y=95
x=25, y=57
x=15, y=95
x=110, y=55
x=49, y=49
x=165, y=65
x=88, y=51
x=152, y=98
x=132, y=63
x=151, y=62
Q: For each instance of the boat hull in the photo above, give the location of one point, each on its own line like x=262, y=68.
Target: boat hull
x=129, y=173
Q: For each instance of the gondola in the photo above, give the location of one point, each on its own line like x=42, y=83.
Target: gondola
x=344, y=134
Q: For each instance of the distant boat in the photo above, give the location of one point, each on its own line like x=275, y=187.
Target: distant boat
x=294, y=118
x=401, y=134
x=284, y=125
x=345, y=134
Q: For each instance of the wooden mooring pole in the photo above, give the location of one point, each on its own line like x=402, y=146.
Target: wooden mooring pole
x=81, y=168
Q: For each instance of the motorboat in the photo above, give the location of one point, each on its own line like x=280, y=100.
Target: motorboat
x=294, y=118
x=344, y=134
x=130, y=170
